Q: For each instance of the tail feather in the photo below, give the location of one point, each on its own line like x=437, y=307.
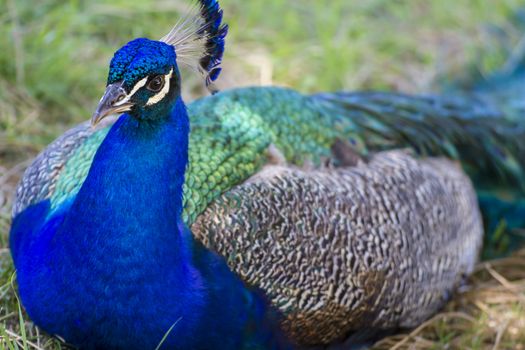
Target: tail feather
x=504, y=224
x=490, y=146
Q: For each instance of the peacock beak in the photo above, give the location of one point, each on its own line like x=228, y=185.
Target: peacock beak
x=114, y=101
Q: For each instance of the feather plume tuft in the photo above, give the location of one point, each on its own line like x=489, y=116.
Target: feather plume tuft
x=198, y=39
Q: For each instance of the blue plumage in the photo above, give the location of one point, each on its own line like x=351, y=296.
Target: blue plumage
x=138, y=58
x=114, y=267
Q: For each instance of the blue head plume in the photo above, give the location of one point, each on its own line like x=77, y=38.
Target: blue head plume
x=206, y=36
x=140, y=58
x=215, y=33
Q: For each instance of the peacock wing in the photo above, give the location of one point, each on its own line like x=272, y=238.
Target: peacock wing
x=379, y=245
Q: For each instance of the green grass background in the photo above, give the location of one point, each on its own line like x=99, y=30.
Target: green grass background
x=54, y=57
x=54, y=54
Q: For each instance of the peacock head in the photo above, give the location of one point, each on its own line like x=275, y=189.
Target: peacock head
x=144, y=78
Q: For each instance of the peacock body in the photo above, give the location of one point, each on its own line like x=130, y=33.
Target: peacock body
x=238, y=234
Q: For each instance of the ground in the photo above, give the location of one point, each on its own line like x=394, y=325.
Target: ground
x=53, y=64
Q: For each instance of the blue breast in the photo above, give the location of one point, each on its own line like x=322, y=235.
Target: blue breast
x=113, y=268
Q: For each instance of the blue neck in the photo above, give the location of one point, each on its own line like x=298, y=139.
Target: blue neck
x=136, y=179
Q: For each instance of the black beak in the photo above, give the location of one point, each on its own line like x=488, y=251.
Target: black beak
x=113, y=102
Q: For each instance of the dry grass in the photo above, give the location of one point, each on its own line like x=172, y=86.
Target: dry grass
x=487, y=314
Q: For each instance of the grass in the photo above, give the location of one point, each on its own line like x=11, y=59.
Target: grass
x=53, y=66
x=487, y=314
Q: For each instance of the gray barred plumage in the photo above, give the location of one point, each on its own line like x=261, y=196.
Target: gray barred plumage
x=380, y=245
x=40, y=178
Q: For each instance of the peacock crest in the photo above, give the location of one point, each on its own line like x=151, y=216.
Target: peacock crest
x=198, y=39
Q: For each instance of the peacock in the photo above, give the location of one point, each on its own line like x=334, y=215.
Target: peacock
x=280, y=220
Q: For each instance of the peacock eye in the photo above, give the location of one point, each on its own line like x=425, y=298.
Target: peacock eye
x=156, y=83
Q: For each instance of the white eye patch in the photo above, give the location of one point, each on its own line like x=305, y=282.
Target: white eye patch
x=165, y=89
x=153, y=99
x=137, y=86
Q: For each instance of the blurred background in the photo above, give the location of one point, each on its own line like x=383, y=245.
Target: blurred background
x=54, y=58
x=54, y=54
